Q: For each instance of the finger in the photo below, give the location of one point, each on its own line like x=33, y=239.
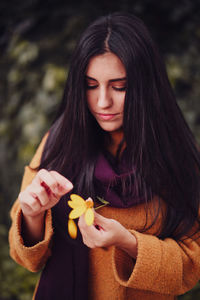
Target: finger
x=48, y=181
x=48, y=190
x=64, y=185
x=40, y=176
x=85, y=229
x=91, y=236
x=28, y=202
x=81, y=222
x=39, y=193
x=55, y=181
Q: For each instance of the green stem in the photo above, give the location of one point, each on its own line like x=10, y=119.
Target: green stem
x=100, y=206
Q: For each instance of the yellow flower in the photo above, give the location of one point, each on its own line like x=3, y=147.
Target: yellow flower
x=79, y=207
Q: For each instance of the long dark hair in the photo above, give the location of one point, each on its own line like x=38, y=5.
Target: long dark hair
x=159, y=143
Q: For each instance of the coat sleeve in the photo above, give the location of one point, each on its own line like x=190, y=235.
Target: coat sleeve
x=33, y=258
x=162, y=266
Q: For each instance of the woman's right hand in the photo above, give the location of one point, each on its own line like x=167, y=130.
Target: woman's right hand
x=43, y=193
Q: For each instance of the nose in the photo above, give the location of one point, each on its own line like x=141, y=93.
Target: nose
x=104, y=98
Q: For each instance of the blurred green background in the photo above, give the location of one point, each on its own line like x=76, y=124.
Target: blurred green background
x=37, y=39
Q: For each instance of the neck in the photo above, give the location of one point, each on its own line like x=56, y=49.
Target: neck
x=114, y=140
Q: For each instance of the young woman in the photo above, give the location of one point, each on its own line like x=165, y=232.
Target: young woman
x=119, y=135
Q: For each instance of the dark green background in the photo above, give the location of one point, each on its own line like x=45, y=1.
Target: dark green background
x=37, y=39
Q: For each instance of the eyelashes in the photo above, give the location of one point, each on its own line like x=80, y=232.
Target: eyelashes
x=92, y=87
x=119, y=89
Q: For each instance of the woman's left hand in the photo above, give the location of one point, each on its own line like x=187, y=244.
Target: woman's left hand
x=107, y=232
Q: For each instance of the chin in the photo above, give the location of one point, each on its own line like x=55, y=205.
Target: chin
x=110, y=128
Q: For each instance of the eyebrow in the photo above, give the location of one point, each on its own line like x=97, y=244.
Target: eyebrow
x=111, y=80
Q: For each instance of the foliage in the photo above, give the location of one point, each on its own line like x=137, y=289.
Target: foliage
x=36, y=42
x=15, y=281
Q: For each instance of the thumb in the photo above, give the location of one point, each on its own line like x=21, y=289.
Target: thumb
x=100, y=220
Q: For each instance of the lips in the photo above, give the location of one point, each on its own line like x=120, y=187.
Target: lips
x=106, y=117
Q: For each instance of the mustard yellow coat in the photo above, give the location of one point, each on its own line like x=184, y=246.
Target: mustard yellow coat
x=163, y=268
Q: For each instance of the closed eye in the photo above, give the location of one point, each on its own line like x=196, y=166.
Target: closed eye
x=90, y=87
x=119, y=89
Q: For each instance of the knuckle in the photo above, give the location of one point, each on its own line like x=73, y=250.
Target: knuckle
x=41, y=173
x=53, y=172
x=53, y=186
x=23, y=197
x=31, y=188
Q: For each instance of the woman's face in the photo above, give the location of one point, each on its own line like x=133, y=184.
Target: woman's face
x=105, y=90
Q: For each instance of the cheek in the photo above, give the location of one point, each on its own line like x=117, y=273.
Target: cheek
x=120, y=102
x=90, y=99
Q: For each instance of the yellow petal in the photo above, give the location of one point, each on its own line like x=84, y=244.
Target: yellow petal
x=72, y=229
x=77, y=212
x=89, y=216
x=77, y=199
x=73, y=204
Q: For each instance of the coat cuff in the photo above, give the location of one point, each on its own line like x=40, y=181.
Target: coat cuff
x=145, y=273
x=33, y=256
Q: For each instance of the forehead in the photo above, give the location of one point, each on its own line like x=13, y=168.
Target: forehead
x=106, y=65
